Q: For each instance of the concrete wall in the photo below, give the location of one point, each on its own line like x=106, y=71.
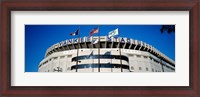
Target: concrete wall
x=139, y=61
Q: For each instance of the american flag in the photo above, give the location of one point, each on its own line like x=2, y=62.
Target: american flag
x=93, y=31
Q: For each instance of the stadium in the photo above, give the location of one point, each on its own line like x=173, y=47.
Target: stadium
x=104, y=54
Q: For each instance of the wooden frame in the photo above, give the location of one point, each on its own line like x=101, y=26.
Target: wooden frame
x=100, y=5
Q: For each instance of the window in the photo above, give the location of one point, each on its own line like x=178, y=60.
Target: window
x=130, y=55
x=69, y=56
x=58, y=69
x=156, y=61
x=147, y=69
x=68, y=68
x=138, y=56
x=55, y=58
x=40, y=65
x=145, y=57
x=152, y=70
x=132, y=68
x=140, y=68
x=62, y=57
x=45, y=63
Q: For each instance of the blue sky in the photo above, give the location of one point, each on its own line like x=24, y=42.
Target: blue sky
x=38, y=38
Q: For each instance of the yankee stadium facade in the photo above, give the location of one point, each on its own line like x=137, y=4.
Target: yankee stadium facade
x=106, y=55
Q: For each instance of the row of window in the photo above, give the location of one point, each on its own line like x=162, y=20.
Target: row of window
x=55, y=58
x=162, y=63
x=145, y=57
x=154, y=60
x=138, y=56
x=169, y=67
x=58, y=69
x=147, y=69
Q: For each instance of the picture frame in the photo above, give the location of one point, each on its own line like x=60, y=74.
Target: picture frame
x=193, y=90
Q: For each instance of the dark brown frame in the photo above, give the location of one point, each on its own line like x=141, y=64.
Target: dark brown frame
x=193, y=90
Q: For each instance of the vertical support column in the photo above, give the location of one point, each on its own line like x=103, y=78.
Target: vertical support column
x=77, y=50
x=99, y=51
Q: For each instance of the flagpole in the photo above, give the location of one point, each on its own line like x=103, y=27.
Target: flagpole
x=111, y=60
x=111, y=55
x=92, y=55
x=120, y=59
x=120, y=54
x=77, y=49
x=92, y=62
x=99, y=51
